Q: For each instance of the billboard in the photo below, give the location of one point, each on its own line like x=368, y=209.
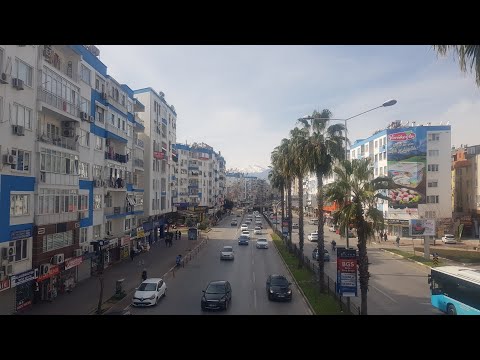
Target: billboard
x=422, y=227
x=346, y=272
x=407, y=160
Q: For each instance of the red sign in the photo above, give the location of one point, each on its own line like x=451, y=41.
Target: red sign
x=402, y=136
x=124, y=240
x=70, y=263
x=54, y=270
x=347, y=265
x=158, y=155
x=4, y=284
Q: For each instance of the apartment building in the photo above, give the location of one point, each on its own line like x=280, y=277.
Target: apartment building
x=160, y=120
x=18, y=126
x=417, y=157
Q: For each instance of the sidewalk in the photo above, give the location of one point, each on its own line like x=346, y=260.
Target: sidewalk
x=84, y=298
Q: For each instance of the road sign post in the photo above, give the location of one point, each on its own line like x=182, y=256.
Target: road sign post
x=346, y=272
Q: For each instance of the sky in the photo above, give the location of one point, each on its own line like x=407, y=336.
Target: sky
x=242, y=100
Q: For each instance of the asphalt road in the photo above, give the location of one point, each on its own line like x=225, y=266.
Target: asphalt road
x=247, y=275
x=396, y=286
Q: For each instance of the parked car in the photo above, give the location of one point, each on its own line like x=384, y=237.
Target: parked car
x=449, y=239
x=217, y=295
x=149, y=292
x=257, y=230
x=262, y=243
x=294, y=226
x=326, y=255
x=278, y=288
x=227, y=253
x=244, y=227
x=243, y=240
x=234, y=223
x=313, y=236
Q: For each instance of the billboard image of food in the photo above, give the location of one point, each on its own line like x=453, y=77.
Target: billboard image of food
x=407, y=158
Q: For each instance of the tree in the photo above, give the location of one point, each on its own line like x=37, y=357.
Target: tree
x=299, y=144
x=325, y=145
x=468, y=56
x=359, y=208
x=284, y=161
x=276, y=178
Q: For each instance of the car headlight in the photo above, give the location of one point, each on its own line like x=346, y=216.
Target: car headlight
x=289, y=292
x=271, y=291
x=152, y=297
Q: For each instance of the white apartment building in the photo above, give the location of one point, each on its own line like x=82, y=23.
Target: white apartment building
x=18, y=125
x=417, y=156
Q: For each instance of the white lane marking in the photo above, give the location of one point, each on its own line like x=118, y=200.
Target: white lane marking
x=380, y=291
x=255, y=298
x=253, y=277
x=253, y=262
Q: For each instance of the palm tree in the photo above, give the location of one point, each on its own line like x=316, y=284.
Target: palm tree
x=276, y=178
x=359, y=208
x=299, y=144
x=285, y=160
x=325, y=145
x=468, y=55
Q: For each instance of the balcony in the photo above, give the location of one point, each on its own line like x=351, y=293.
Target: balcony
x=138, y=163
x=116, y=184
x=70, y=110
x=62, y=59
x=139, y=143
x=116, y=157
x=60, y=141
x=117, y=211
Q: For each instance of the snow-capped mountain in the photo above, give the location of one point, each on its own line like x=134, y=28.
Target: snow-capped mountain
x=254, y=170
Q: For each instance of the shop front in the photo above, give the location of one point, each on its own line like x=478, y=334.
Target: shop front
x=47, y=282
x=111, y=252
x=125, y=247
x=84, y=270
x=69, y=275
x=7, y=297
x=398, y=227
x=24, y=284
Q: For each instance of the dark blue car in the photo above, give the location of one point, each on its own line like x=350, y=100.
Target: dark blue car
x=243, y=240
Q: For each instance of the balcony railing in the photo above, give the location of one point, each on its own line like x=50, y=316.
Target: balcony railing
x=140, y=143
x=116, y=157
x=58, y=102
x=60, y=141
x=118, y=183
x=117, y=210
x=138, y=163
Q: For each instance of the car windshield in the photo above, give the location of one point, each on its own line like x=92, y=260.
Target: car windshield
x=215, y=289
x=147, y=287
x=279, y=281
x=257, y=228
x=227, y=249
x=262, y=240
x=243, y=237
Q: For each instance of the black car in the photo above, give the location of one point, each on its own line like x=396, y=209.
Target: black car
x=278, y=288
x=217, y=295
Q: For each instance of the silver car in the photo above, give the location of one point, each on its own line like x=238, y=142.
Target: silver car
x=227, y=253
x=262, y=243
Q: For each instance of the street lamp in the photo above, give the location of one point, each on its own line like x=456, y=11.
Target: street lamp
x=385, y=104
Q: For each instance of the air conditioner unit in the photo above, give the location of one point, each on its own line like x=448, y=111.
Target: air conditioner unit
x=10, y=159
x=83, y=115
x=97, y=183
x=91, y=119
x=4, y=78
x=11, y=250
x=44, y=269
x=78, y=252
x=68, y=133
x=68, y=124
x=17, y=83
x=18, y=130
x=58, y=259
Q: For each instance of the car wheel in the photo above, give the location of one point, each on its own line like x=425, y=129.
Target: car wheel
x=451, y=310
x=165, y=292
x=156, y=300
x=269, y=297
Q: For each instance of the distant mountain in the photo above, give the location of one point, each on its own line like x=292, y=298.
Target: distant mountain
x=259, y=171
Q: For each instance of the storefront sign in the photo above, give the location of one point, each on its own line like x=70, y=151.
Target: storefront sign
x=398, y=222
x=4, y=284
x=70, y=263
x=20, y=234
x=54, y=270
x=23, y=296
x=24, y=277
x=140, y=232
x=158, y=155
x=347, y=272
x=125, y=240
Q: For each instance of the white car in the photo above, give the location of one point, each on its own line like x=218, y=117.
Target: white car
x=149, y=292
x=244, y=227
x=262, y=243
x=246, y=233
x=332, y=228
x=257, y=230
x=227, y=253
x=449, y=239
x=313, y=236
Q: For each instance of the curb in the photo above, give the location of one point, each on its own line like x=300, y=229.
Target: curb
x=403, y=257
x=294, y=280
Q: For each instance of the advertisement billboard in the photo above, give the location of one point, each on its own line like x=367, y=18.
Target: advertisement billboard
x=422, y=227
x=407, y=161
x=346, y=272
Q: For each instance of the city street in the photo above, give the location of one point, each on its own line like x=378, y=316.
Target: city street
x=396, y=286
x=247, y=275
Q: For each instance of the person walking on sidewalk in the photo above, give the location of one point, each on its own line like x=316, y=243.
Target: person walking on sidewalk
x=132, y=253
x=385, y=238
x=397, y=240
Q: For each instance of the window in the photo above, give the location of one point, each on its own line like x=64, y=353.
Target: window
x=23, y=160
x=432, y=167
x=85, y=105
x=97, y=231
x=432, y=199
x=97, y=171
x=118, y=122
x=57, y=240
x=433, y=152
x=58, y=162
x=376, y=157
x=22, y=116
x=123, y=100
x=21, y=249
x=127, y=224
x=433, y=137
x=108, y=227
x=376, y=171
x=112, y=119
x=24, y=72
x=433, y=183
x=83, y=170
x=97, y=201
x=98, y=143
x=97, y=84
x=84, y=138
x=1, y=99
x=430, y=214
x=85, y=74
x=82, y=202
x=376, y=144
x=385, y=171
x=83, y=235
x=19, y=205
x=99, y=114
x=108, y=201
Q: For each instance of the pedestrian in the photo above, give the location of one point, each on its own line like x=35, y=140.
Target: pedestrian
x=179, y=235
x=144, y=274
x=176, y=235
x=132, y=253
x=381, y=235
x=385, y=236
x=166, y=240
x=397, y=240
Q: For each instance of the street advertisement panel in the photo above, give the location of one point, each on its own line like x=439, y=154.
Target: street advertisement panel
x=422, y=227
x=346, y=272
x=407, y=159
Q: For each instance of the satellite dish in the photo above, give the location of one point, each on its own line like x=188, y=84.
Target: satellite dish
x=162, y=94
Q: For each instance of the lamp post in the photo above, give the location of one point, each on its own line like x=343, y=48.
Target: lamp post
x=385, y=104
